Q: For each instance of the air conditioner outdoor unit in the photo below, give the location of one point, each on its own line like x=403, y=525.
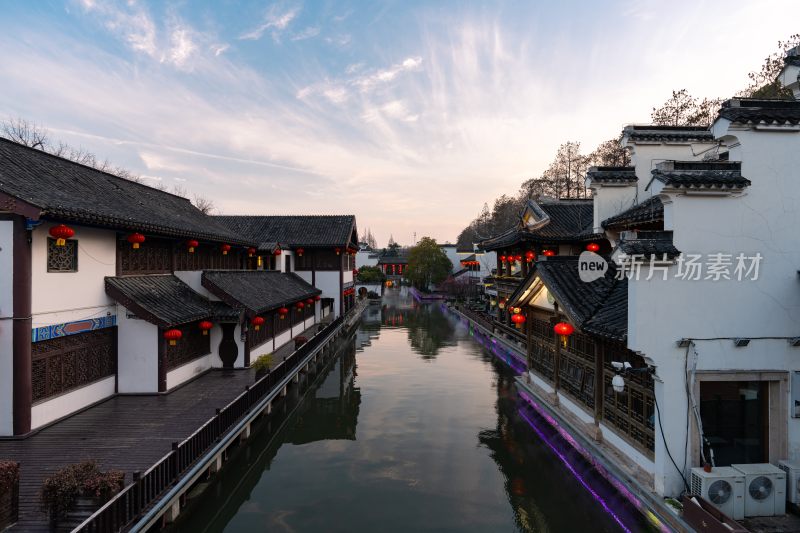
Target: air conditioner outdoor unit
x=724, y=487
x=792, y=470
x=764, y=489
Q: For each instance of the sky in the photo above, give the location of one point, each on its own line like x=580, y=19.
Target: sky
x=408, y=114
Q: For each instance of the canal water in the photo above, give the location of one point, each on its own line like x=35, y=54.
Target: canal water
x=414, y=426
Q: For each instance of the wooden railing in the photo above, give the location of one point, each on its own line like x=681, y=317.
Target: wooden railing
x=147, y=487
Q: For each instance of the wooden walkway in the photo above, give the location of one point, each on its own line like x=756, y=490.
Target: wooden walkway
x=127, y=433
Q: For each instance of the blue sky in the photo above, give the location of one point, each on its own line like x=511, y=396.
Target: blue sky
x=409, y=114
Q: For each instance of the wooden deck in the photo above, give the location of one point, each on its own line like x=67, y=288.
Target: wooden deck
x=127, y=433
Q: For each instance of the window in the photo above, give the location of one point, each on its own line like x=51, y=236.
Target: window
x=288, y=264
x=62, y=258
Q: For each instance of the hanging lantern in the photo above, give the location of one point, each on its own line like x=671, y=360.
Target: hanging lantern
x=337, y=250
x=593, y=247
x=257, y=322
x=516, y=310
x=529, y=256
x=225, y=249
x=502, y=304
x=172, y=335
x=251, y=252
x=136, y=239
x=299, y=305
x=317, y=298
x=518, y=258
x=204, y=326
x=502, y=259
x=299, y=252
x=564, y=330
x=548, y=253
x=61, y=233
x=310, y=301
x=518, y=320
x=282, y=312
x=355, y=272
x=192, y=244
x=277, y=252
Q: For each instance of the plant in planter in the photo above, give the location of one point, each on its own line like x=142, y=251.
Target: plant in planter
x=9, y=493
x=299, y=341
x=261, y=365
x=79, y=487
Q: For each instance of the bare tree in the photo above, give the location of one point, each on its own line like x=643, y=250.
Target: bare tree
x=610, y=153
x=26, y=133
x=764, y=83
x=204, y=204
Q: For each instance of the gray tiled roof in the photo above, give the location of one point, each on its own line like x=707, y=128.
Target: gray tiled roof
x=68, y=191
x=257, y=291
x=649, y=247
x=617, y=175
x=701, y=175
x=164, y=300
x=570, y=220
x=654, y=133
x=309, y=231
x=651, y=211
x=598, y=307
x=767, y=112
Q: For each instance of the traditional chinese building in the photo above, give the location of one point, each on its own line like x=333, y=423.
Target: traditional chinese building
x=393, y=263
x=116, y=287
x=684, y=350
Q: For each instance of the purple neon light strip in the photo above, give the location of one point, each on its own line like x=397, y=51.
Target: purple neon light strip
x=575, y=473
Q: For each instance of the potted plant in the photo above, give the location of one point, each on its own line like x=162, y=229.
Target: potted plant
x=262, y=364
x=74, y=492
x=299, y=341
x=9, y=493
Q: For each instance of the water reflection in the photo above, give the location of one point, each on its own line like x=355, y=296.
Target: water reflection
x=414, y=427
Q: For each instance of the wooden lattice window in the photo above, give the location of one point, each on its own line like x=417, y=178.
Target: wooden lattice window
x=62, y=258
x=264, y=333
x=66, y=363
x=192, y=345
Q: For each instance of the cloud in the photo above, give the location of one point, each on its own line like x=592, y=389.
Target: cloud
x=219, y=49
x=369, y=81
x=339, y=40
x=182, y=46
x=275, y=20
x=308, y=33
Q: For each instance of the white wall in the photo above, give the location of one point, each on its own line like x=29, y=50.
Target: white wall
x=137, y=342
x=6, y=327
x=188, y=371
x=66, y=404
x=60, y=297
x=454, y=257
x=764, y=220
x=363, y=258
x=608, y=200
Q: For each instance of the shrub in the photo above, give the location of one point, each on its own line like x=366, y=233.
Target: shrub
x=262, y=363
x=60, y=490
x=372, y=295
x=9, y=475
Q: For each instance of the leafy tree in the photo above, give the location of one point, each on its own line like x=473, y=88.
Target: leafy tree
x=370, y=274
x=427, y=264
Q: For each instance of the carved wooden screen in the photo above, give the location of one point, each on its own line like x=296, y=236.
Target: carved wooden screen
x=66, y=363
x=578, y=368
x=154, y=256
x=192, y=344
x=632, y=411
x=62, y=258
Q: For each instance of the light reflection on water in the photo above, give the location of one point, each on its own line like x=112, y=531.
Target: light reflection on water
x=415, y=427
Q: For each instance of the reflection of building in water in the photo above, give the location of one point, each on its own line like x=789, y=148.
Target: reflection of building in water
x=333, y=412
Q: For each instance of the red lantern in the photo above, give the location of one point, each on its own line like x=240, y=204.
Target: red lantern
x=309, y=301
x=502, y=259
x=136, y=239
x=518, y=258
x=251, y=252
x=548, y=253
x=300, y=305
x=205, y=325
x=337, y=250
x=518, y=319
x=192, y=244
x=593, y=247
x=61, y=233
x=317, y=298
x=277, y=252
x=225, y=249
x=529, y=256
x=564, y=330
x=257, y=322
x=282, y=312
x=172, y=335
x=299, y=252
